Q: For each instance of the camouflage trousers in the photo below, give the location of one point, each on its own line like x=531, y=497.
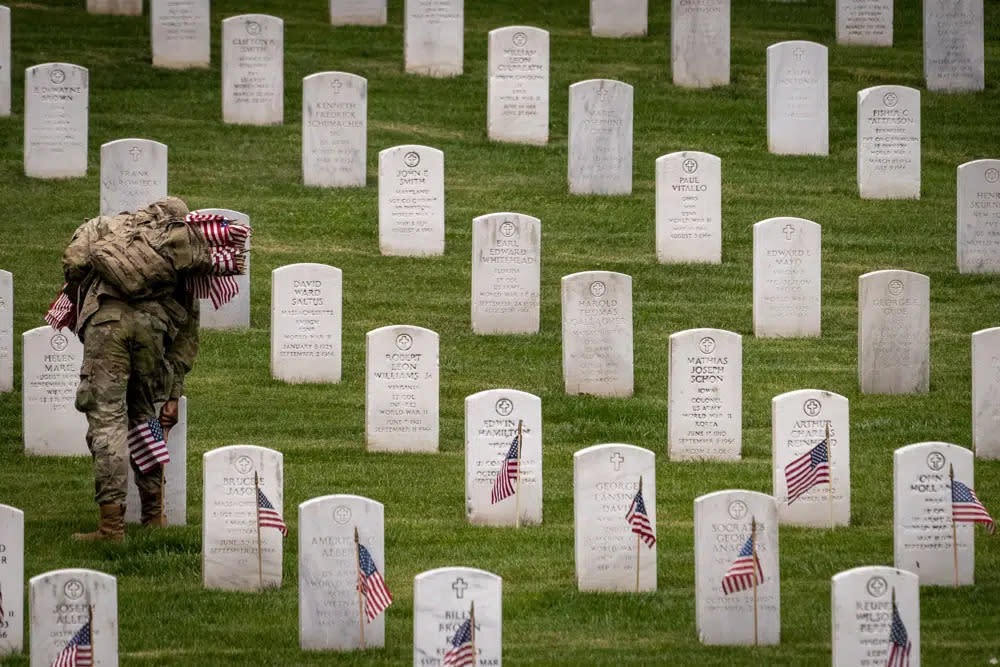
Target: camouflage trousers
x=120, y=381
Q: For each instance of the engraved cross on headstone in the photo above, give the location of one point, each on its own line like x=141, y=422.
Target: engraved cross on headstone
x=136, y=153
x=788, y=231
x=459, y=586
x=336, y=86
x=617, y=460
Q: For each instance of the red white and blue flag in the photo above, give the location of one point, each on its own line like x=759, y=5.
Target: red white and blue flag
x=639, y=520
x=460, y=653
x=503, y=486
x=899, y=652
x=377, y=596
x=267, y=516
x=807, y=471
x=146, y=444
x=78, y=652
x=966, y=506
x=745, y=570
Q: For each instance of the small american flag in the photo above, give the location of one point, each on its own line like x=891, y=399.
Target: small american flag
x=639, y=520
x=460, y=653
x=899, y=654
x=2, y=612
x=146, y=444
x=61, y=313
x=267, y=516
x=807, y=471
x=377, y=596
x=503, y=486
x=78, y=652
x=966, y=506
x=745, y=570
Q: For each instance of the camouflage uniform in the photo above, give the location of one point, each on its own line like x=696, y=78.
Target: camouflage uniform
x=136, y=351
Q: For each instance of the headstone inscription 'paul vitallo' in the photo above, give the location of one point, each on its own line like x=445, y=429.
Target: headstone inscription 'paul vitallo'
x=180, y=33
x=174, y=476
x=56, y=108
x=597, y=333
x=401, y=389
x=924, y=534
x=73, y=604
x=978, y=217
x=433, y=34
x=411, y=201
x=600, y=137
x=986, y=393
x=797, y=99
x=518, y=85
x=894, y=332
x=331, y=611
x=6, y=331
x=609, y=555
x=238, y=553
x=442, y=602
x=619, y=18
x=864, y=22
x=689, y=208
x=954, y=48
x=699, y=43
x=334, y=129
x=306, y=323
x=862, y=600
x=787, y=254
x=737, y=584
x=121, y=7
x=506, y=273
x=358, y=12
x=133, y=174
x=253, y=70
x=811, y=475
x=501, y=490
x=51, y=363
x=889, y=143
x=11, y=580
x=4, y=61
x=705, y=390
x=236, y=313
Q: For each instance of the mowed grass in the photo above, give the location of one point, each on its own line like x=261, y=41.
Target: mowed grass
x=166, y=617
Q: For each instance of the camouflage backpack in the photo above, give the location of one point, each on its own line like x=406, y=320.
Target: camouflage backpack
x=126, y=255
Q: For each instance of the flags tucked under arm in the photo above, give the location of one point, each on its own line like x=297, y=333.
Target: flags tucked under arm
x=376, y=594
x=147, y=445
x=745, y=571
x=639, y=520
x=966, y=506
x=267, y=516
x=62, y=312
x=807, y=471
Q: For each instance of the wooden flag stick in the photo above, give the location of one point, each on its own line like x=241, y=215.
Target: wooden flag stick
x=517, y=490
x=361, y=595
x=753, y=555
x=472, y=631
x=637, y=550
x=829, y=463
x=163, y=490
x=90, y=622
x=260, y=552
x=954, y=526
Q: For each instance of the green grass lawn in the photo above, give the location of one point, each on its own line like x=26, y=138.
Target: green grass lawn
x=166, y=617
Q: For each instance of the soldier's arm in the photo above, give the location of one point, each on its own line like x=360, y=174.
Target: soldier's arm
x=184, y=348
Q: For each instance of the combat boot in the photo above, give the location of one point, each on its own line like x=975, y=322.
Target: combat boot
x=111, y=527
x=152, y=508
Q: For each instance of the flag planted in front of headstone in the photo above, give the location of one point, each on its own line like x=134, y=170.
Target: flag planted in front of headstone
x=267, y=516
x=146, y=444
x=966, y=506
x=503, y=487
x=461, y=653
x=745, y=571
x=78, y=652
x=639, y=519
x=807, y=471
x=373, y=588
x=899, y=653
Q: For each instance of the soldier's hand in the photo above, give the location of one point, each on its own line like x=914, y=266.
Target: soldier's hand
x=168, y=415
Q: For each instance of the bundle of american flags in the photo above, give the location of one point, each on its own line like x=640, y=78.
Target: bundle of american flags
x=267, y=516
x=899, y=653
x=966, y=506
x=461, y=652
x=807, y=471
x=745, y=571
x=372, y=585
x=639, y=519
x=146, y=444
x=503, y=486
x=228, y=242
x=61, y=313
x=78, y=652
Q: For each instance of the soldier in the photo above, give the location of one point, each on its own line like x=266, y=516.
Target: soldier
x=138, y=321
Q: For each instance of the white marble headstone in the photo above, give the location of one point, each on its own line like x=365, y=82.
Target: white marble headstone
x=605, y=481
x=864, y=22
x=411, y=201
x=689, y=208
x=978, y=204
x=921, y=508
x=6, y=331
x=441, y=602
x=59, y=604
x=401, y=389
x=121, y=7
x=894, y=332
x=306, y=323
x=597, y=333
x=4, y=61
x=705, y=390
x=56, y=108
x=434, y=33
x=328, y=571
x=889, y=142
x=174, y=474
x=699, y=43
x=600, y=137
x=11, y=580
x=787, y=254
x=861, y=600
x=518, y=85
x=357, y=12
x=722, y=524
x=986, y=393
x=180, y=33
x=236, y=313
x=229, y=518
x=797, y=99
x=51, y=362
x=133, y=174
x=954, y=50
x=506, y=273
x=798, y=423
x=491, y=419
x=619, y=18
x=334, y=129
x=253, y=70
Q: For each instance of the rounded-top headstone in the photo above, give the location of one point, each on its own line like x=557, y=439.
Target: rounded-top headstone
x=689, y=208
x=861, y=600
x=787, y=254
x=6, y=331
x=411, y=201
x=11, y=580
x=441, y=603
x=518, y=85
x=600, y=137
x=597, y=333
x=978, y=217
x=253, y=70
x=357, y=12
x=306, y=323
x=56, y=106
x=4, y=61
x=889, y=143
x=894, y=332
x=506, y=273
x=51, y=362
x=433, y=36
x=60, y=604
x=798, y=116
x=180, y=33
x=986, y=393
x=236, y=313
x=334, y=129
x=699, y=43
x=133, y=174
